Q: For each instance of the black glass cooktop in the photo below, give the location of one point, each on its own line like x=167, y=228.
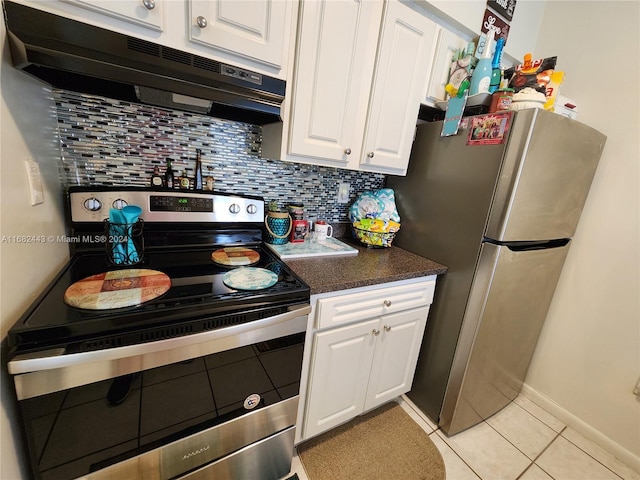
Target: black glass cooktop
x=198, y=300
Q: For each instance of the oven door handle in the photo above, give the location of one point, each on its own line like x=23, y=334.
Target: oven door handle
x=53, y=370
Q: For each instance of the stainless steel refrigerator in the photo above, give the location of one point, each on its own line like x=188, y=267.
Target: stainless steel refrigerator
x=499, y=208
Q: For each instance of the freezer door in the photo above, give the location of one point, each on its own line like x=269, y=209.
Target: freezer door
x=545, y=178
x=509, y=300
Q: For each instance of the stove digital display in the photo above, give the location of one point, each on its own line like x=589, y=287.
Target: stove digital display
x=159, y=203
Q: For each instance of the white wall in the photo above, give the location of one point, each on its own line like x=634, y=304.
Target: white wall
x=465, y=18
x=27, y=128
x=588, y=358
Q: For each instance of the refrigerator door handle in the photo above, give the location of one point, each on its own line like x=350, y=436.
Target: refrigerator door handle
x=527, y=246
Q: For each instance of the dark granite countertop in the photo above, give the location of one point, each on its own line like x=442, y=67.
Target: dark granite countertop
x=370, y=267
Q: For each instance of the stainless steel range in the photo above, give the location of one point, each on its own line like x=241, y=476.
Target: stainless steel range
x=197, y=377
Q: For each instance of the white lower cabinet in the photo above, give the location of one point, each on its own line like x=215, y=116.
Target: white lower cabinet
x=342, y=364
x=364, y=363
x=396, y=355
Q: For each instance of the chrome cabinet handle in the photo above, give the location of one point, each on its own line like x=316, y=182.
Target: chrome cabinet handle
x=375, y=331
x=387, y=303
x=201, y=21
x=370, y=154
x=347, y=151
x=149, y=4
x=387, y=328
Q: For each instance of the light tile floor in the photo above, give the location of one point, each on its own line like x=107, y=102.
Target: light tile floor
x=521, y=442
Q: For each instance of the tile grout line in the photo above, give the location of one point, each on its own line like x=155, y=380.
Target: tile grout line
x=516, y=447
x=591, y=456
x=536, y=416
x=533, y=462
x=434, y=432
x=444, y=439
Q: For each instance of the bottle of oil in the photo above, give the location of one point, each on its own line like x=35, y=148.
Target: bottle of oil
x=198, y=176
x=168, y=176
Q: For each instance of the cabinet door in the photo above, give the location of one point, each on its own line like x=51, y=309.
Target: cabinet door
x=334, y=64
x=406, y=47
x=147, y=13
x=340, y=371
x=447, y=48
x=254, y=29
x=396, y=355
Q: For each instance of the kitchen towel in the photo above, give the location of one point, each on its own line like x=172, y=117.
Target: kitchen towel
x=383, y=444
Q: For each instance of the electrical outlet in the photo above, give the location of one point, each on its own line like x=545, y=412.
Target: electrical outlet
x=343, y=192
x=35, y=181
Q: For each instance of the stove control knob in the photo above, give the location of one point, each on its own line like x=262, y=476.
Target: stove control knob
x=234, y=208
x=119, y=204
x=252, y=209
x=92, y=204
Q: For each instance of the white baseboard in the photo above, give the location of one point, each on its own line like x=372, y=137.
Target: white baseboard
x=626, y=456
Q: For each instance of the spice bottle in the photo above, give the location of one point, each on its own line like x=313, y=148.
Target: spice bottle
x=209, y=181
x=168, y=175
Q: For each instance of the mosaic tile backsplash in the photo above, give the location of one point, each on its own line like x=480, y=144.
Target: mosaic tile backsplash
x=109, y=142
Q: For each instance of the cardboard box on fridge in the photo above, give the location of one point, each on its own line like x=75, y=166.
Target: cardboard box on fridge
x=566, y=107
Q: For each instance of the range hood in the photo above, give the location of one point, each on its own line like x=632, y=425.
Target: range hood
x=75, y=56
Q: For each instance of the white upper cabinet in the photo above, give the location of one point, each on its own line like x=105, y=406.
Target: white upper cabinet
x=353, y=100
x=405, y=53
x=143, y=18
x=335, y=60
x=250, y=34
x=255, y=29
x=146, y=13
x=448, y=45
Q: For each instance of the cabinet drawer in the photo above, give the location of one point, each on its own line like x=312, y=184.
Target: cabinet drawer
x=353, y=307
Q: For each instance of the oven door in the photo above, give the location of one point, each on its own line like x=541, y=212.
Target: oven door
x=218, y=404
